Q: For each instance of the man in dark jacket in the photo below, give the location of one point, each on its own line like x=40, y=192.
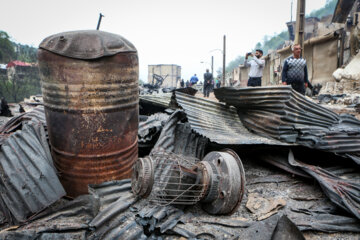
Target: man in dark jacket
x=208, y=77
x=295, y=72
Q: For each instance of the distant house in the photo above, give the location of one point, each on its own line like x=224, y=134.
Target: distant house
x=18, y=69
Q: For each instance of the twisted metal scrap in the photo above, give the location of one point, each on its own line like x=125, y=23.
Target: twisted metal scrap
x=345, y=193
x=282, y=113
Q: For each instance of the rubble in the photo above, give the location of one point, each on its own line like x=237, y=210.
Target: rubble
x=149, y=131
x=282, y=113
x=341, y=191
x=286, y=228
x=263, y=208
x=285, y=196
x=346, y=79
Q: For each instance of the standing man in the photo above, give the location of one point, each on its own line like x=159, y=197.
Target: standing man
x=294, y=71
x=193, y=80
x=208, y=78
x=182, y=83
x=217, y=83
x=256, y=68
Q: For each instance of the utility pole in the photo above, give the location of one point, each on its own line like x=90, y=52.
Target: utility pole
x=291, y=12
x=224, y=52
x=212, y=65
x=300, y=24
x=98, y=25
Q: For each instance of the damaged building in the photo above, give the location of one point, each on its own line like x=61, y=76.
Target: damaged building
x=331, y=43
x=166, y=75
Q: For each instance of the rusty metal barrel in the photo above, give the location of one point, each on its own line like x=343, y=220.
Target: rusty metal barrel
x=90, y=90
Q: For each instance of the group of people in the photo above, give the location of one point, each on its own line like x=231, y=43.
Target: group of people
x=209, y=83
x=294, y=70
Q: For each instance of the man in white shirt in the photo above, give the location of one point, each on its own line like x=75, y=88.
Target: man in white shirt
x=256, y=65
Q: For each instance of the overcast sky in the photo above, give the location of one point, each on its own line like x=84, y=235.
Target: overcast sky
x=182, y=32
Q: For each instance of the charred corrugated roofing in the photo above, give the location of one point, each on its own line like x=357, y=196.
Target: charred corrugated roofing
x=343, y=192
x=109, y=192
x=178, y=137
x=218, y=122
x=282, y=113
x=162, y=100
x=151, y=126
x=37, y=114
x=28, y=178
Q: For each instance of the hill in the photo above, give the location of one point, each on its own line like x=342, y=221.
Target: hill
x=10, y=50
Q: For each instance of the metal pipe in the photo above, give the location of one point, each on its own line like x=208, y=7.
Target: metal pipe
x=342, y=47
x=212, y=65
x=99, y=22
x=224, y=52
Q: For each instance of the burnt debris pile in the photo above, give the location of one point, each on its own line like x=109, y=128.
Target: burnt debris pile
x=189, y=171
x=282, y=113
x=98, y=161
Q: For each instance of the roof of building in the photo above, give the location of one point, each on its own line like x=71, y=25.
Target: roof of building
x=17, y=63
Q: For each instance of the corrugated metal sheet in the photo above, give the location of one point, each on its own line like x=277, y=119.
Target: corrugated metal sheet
x=37, y=114
x=162, y=218
x=114, y=220
x=151, y=127
x=110, y=192
x=63, y=220
x=161, y=100
x=282, y=113
x=28, y=178
x=218, y=122
x=178, y=137
x=121, y=217
x=65, y=215
x=324, y=220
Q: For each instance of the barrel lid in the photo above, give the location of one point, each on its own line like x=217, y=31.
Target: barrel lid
x=86, y=44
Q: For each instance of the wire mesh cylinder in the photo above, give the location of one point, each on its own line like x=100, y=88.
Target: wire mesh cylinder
x=177, y=179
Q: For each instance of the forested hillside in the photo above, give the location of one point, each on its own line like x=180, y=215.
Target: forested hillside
x=10, y=50
x=18, y=87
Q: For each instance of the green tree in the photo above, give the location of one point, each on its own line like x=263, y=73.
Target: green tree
x=19, y=87
x=26, y=53
x=7, y=52
x=274, y=42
